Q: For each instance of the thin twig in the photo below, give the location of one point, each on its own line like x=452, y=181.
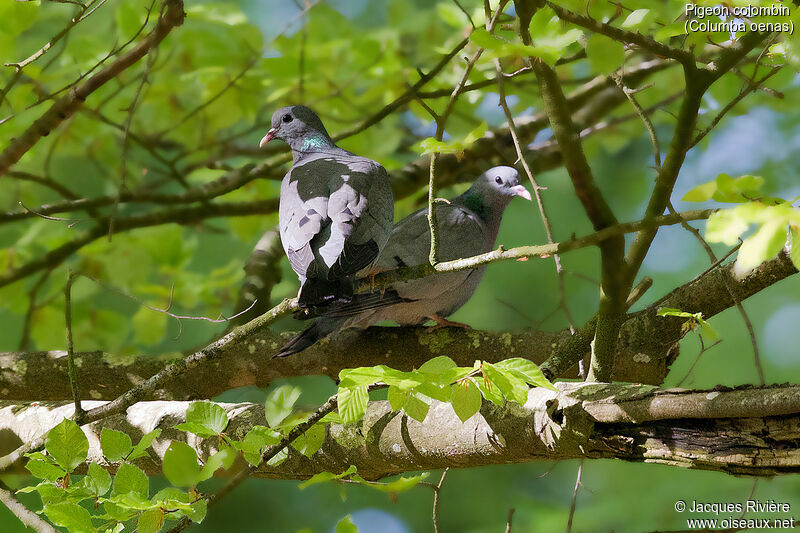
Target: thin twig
x=562, y=293
x=509, y=519
x=739, y=306
x=441, y=120
x=125, y=137
x=574, y=497
x=71, y=372
x=437, y=489
x=749, y=88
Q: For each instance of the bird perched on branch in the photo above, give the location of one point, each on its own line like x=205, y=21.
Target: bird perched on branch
x=336, y=208
x=467, y=226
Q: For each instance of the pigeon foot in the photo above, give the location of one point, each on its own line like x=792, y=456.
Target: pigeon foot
x=442, y=322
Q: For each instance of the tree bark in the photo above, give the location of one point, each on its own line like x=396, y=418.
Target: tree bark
x=753, y=431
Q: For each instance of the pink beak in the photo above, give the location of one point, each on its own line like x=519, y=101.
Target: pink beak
x=519, y=190
x=267, y=138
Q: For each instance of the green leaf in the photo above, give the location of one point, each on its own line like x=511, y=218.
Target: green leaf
x=432, y=145
x=197, y=511
x=397, y=397
x=795, y=246
x=323, y=477
x=701, y=193
x=222, y=459
x=671, y=311
x=346, y=525
x=97, y=480
x=466, y=400
x=438, y=391
x=149, y=326
x=309, y=442
x=708, y=332
x=140, y=450
x=45, y=469
x=131, y=479
x=725, y=226
x=205, y=419
x=116, y=444
x=71, y=516
x=67, y=444
x=353, y=403
x=489, y=390
x=727, y=189
x=437, y=366
x=605, y=55
x=527, y=371
x=762, y=246
x=510, y=385
x=396, y=486
x=150, y=521
x=280, y=403
x=635, y=18
x=416, y=408
x=51, y=493
x=451, y=15
x=180, y=465
x=254, y=442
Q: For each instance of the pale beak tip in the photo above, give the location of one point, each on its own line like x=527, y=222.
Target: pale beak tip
x=267, y=138
x=519, y=190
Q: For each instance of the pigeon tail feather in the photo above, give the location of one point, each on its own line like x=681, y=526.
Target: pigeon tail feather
x=320, y=329
x=319, y=292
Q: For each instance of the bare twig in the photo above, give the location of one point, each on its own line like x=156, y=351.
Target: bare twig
x=437, y=489
x=574, y=497
x=71, y=372
x=562, y=294
x=509, y=520
x=749, y=88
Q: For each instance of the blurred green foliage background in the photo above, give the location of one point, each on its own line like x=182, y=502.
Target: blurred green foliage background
x=210, y=91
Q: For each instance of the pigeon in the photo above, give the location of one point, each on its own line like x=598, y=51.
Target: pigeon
x=468, y=225
x=336, y=208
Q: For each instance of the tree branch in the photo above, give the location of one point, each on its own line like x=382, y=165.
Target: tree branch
x=751, y=431
x=612, y=251
x=645, y=350
x=69, y=104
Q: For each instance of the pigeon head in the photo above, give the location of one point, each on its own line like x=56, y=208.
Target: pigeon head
x=500, y=184
x=300, y=128
x=493, y=190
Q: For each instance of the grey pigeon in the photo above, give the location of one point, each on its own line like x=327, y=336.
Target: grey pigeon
x=468, y=226
x=336, y=208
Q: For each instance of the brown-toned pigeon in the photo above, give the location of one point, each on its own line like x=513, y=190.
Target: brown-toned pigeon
x=468, y=226
x=336, y=208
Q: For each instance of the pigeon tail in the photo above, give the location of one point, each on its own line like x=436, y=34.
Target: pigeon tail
x=319, y=292
x=320, y=329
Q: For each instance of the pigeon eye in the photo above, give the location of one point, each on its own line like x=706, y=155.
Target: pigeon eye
x=287, y=118
x=498, y=180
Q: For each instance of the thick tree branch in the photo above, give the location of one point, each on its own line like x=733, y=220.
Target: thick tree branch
x=69, y=104
x=614, y=287
x=750, y=431
x=645, y=350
